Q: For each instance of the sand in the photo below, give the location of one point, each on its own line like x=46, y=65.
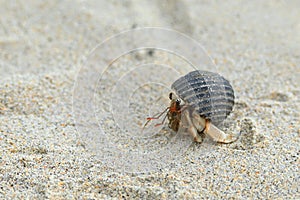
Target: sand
x=71, y=117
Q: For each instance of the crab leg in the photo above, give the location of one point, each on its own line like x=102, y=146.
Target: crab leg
x=191, y=128
x=212, y=130
x=206, y=127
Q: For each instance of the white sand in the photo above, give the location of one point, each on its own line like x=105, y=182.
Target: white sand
x=42, y=47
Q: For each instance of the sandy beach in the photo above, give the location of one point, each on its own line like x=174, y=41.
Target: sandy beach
x=79, y=78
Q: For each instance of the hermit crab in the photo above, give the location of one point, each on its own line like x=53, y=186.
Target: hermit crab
x=200, y=102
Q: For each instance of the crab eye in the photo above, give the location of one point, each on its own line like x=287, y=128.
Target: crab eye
x=171, y=96
x=178, y=101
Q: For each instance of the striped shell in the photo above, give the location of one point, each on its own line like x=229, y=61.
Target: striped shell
x=209, y=93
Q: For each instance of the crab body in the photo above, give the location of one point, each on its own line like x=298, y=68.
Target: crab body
x=208, y=99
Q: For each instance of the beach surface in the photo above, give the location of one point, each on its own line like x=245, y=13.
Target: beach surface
x=74, y=98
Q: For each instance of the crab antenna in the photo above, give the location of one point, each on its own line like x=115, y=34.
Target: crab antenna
x=159, y=115
x=162, y=122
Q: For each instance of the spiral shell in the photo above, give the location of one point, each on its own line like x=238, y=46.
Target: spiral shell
x=210, y=94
